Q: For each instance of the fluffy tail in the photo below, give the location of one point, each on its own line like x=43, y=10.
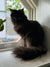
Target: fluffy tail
x=29, y=53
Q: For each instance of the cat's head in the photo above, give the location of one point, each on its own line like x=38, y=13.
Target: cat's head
x=17, y=16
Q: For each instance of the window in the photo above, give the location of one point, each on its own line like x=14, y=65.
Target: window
x=5, y=13
x=29, y=9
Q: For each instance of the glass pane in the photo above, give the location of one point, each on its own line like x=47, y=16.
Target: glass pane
x=2, y=5
x=3, y=33
x=16, y=4
x=2, y=15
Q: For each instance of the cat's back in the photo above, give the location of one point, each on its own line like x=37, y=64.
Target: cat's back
x=34, y=24
x=36, y=28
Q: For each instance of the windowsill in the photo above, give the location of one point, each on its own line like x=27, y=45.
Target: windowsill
x=7, y=59
x=6, y=49
x=10, y=45
x=10, y=42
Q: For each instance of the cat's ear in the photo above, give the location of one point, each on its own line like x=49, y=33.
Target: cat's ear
x=11, y=10
x=23, y=10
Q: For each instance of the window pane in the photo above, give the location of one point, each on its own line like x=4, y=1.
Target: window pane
x=2, y=15
x=3, y=33
x=16, y=4
x=2, y=5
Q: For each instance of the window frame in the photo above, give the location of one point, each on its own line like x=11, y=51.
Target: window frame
x=31, y=7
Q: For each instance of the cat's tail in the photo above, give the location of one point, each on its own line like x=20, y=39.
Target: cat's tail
x=29, y=53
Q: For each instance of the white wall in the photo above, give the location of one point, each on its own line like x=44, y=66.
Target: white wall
x=43, y=16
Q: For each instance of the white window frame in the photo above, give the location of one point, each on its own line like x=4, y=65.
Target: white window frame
x=31, y=7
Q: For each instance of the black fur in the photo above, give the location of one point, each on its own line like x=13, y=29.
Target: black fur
x=32, y=33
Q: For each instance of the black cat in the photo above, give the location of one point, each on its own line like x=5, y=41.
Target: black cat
x=32, y=33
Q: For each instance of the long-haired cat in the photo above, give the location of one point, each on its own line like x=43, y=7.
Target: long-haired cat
x=32, y=34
